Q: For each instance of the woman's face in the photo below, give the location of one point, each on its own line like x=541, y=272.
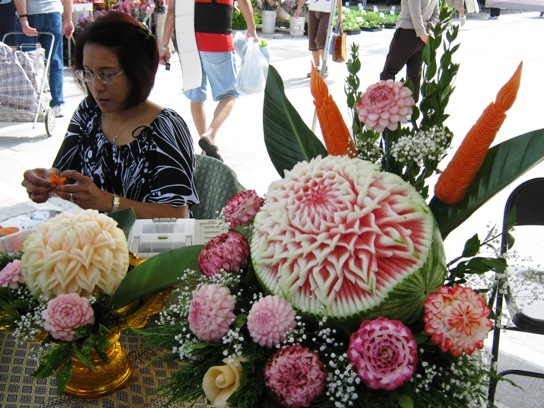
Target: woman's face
x=111, y=96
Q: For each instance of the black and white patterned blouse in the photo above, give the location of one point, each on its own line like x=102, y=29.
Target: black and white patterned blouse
x=157, y=167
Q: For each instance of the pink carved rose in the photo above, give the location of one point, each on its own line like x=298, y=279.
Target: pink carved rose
x=456, y=319
x=270, y=320
x=384, y=353
x=242, y=208
x=384, y=105
x=12, y=275
x=65, y=313
x=227, y=252
x=211, y=312
x=295, y=376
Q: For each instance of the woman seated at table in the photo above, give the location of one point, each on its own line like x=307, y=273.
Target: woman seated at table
x=120, y=149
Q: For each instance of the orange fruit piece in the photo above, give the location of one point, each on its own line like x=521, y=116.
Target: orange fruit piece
x=56, y=180
x=8, y=230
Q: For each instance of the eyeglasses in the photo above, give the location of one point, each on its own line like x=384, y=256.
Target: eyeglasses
x=106, y=77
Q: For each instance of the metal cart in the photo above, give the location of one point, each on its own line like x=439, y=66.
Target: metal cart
x=24, y=70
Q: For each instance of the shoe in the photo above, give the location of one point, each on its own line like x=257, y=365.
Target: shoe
x=542, y=14
x=309, y=74
x=493, y=17
x=58, y=111
x=462, y=20
x=209, y=148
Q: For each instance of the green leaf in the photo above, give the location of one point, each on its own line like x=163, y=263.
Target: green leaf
x=157, y=273
x=125, y=219
x=287, y=138
x=503, y=164
x=63, y=376
x=405, y=401
x=472, y=247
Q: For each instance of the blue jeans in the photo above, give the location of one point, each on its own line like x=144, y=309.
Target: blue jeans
x=49, y=23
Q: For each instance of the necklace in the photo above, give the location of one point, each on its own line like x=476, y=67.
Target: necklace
x=117, y=134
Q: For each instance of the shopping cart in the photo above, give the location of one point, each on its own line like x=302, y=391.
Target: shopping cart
x=24, y=70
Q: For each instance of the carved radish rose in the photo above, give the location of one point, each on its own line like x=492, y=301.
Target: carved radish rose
x=337, y=237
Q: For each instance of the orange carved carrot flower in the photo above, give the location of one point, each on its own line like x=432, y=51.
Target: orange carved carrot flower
x=454, y=182
x=338, y=140
x=56, y=180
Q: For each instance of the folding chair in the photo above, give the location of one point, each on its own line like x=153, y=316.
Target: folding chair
x=527, y=199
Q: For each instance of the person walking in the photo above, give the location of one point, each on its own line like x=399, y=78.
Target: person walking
x=411, y=35
x=54, y=17
x=213, y=31
x=319, y=15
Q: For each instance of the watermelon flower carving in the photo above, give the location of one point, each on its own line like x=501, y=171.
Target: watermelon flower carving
x=270, y=320
x=242, y=208
x=384, y=353
x=337, y=237
x=456, y=319
x=384, y=105
x=295, y=376
x=211, y=312
x=227, y=252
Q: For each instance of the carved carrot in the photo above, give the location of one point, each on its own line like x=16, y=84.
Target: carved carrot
x=56, y=180
x=454, y=182
x=338, y=140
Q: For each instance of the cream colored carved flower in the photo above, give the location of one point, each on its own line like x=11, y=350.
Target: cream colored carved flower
x=81, y=252
x=220, y=382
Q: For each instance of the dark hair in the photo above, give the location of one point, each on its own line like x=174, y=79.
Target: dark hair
x=134, y=45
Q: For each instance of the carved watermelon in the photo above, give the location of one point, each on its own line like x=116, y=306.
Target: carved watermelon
x=337, y=237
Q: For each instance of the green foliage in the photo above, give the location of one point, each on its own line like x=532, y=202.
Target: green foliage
x=438, y=76
x=142, y=280
x=238, y=21
x=293, y=141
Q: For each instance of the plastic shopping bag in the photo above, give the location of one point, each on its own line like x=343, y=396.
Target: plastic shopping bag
x=254, y=70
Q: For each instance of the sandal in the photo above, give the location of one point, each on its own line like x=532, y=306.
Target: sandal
x=209, y=148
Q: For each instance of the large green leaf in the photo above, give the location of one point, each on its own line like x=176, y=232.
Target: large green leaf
x=503, y=164
x=158, y=272
x=286, y=136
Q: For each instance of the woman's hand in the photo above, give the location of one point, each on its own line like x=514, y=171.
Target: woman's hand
x=38, y=184
x=83, y=192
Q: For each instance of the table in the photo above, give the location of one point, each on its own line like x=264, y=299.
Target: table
x=18, y=389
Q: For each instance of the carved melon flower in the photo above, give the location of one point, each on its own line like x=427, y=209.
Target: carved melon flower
x=295, y=376
x=227, y=252
x=384, y=105
x=81, y=252
x=384, y=353
x=242, y=208
x=12, y=275
x=211, y=312
x=65, y=313
x=456, y=319
x=270, y=320
x=337, y=237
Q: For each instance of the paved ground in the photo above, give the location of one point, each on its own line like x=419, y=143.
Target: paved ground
x=489, y=54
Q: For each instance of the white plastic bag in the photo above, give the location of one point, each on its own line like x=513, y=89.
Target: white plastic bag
x=254, y=69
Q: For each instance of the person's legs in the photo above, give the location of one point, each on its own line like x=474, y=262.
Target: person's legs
x=7, y=22
x=198, y=112
x=221, y=113
x=52, y=23
x=414, y=66
x=406, y=49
